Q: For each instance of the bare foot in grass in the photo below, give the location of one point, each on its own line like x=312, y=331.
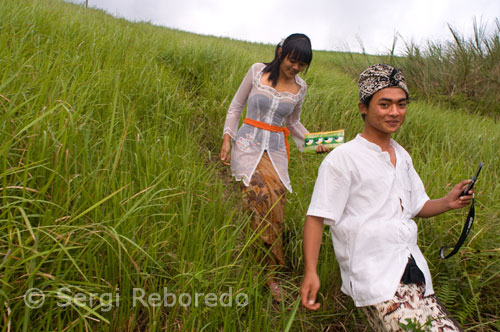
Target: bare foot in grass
x=276, y=291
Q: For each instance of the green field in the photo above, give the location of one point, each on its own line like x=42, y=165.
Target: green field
x=110, y=183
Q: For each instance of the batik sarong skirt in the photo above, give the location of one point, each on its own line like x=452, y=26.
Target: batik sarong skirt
x=265, y=199
x=410, y=307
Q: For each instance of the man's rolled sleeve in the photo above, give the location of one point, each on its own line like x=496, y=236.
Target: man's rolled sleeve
x=418, y=197
x=331, y=191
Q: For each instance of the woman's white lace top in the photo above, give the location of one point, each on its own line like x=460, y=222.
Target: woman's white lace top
x=267, y=105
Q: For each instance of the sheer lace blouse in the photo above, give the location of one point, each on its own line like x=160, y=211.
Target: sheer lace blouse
x=264, y=104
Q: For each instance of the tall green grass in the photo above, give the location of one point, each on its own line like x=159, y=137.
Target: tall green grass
x=109, y=181
x=462, y=73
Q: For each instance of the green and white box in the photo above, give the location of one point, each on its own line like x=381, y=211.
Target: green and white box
x=330, y=139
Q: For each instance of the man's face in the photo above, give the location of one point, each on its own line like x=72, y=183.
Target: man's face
x=386, y=112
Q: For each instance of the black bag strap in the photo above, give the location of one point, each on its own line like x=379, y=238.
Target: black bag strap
x=463, y=236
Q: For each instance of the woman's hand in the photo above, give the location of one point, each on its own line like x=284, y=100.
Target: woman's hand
x=322, y=149
x=225, y=151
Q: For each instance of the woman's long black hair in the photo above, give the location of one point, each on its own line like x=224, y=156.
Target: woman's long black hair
x=297, y=46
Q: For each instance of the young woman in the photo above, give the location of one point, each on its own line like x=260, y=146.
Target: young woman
x=274, y=94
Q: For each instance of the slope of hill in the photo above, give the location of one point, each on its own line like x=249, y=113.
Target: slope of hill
x=114, y=206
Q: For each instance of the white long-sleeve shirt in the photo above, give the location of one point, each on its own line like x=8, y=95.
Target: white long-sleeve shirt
x=267, y=105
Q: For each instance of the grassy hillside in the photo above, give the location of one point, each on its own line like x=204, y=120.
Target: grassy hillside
x=461, y=73
x=110, y=184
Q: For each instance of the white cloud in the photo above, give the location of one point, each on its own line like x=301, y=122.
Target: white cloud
x=331, y=24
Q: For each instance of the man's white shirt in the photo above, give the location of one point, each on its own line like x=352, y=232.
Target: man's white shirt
x=369, y=205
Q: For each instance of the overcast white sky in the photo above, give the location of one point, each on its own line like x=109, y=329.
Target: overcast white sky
x=331, y=24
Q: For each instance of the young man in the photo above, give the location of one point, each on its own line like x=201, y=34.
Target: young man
x=367, y=191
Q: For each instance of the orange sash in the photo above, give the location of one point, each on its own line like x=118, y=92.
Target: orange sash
x=277, y=129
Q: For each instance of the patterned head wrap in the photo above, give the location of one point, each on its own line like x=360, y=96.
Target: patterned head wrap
x=378, y=77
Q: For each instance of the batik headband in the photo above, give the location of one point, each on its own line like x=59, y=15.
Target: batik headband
x=378, y=77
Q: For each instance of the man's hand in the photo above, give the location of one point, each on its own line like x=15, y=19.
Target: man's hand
x=309, y=290
x=455, y=201
x=313, y=231
x=451, y=201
